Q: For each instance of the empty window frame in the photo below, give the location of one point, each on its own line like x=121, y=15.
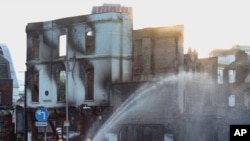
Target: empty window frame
x=231, y=76
x=90, y=41
x=4, y=71
x=35, y=47
x=61, y=85
x=231, y=100
x=220, y=75
x=35, y=87
x=89, y=81
x=62, y=45
x=138, y=60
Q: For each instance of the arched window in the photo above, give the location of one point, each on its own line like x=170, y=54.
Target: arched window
x=90, y=40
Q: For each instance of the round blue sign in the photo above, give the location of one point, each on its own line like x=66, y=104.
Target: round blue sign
x=42, y=114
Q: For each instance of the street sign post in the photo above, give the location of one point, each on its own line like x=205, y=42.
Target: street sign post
x=41, y=123
x=66, y=123
x=42, y=114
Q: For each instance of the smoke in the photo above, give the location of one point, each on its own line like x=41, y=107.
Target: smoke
x=194, y=96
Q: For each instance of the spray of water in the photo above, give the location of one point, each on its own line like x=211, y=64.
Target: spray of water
x=145, y=95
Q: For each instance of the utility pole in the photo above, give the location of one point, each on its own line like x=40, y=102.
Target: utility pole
x=66, y=95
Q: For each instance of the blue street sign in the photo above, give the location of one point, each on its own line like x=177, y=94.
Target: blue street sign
x=42, y=114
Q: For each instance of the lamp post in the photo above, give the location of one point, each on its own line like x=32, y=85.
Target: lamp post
x=66, y=95
x=25, y=108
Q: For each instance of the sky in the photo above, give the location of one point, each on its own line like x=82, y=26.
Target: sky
x=208, y=24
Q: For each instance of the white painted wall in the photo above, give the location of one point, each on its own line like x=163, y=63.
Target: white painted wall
x=112, y=59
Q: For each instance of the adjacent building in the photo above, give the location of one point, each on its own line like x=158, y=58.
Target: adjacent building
x=8, y=86
x=232, y=64
x=4, y=51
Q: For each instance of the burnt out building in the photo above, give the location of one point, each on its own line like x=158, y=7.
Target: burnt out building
x=157, y=52
x=169, y=99
x=186, y=104
x=100, y=79
x=71, y=64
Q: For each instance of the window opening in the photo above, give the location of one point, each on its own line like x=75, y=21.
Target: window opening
x=35, y=47
x=61, y=85
x=231, y=76
x=89, y=75
x=168, y=137
x=231, y=100
x=35, y=87
x=62, y=45
x=90, y=33
x=4, y=71
x=90, y=41
x=220, y=75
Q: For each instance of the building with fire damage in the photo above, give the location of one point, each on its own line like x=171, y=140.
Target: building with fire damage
x=188, y=103
x=98, y=53
x=107, y=67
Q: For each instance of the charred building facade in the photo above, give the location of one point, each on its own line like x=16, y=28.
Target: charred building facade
x=157, y=52
x=97, y=52
x=107, y=67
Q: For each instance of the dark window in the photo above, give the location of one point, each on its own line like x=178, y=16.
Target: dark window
x=138, y=60
x=35, y=87
x=35, y=47
x=90, y=41
x=89, y=75
x=4, y=71
x=61, y=85
x=147, y=134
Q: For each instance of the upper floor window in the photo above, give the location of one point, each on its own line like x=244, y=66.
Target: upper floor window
x=62, y=45
x=4, y=71
x=231, y=76
x=90, y=41
x=220, y=75
x=35, y=47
